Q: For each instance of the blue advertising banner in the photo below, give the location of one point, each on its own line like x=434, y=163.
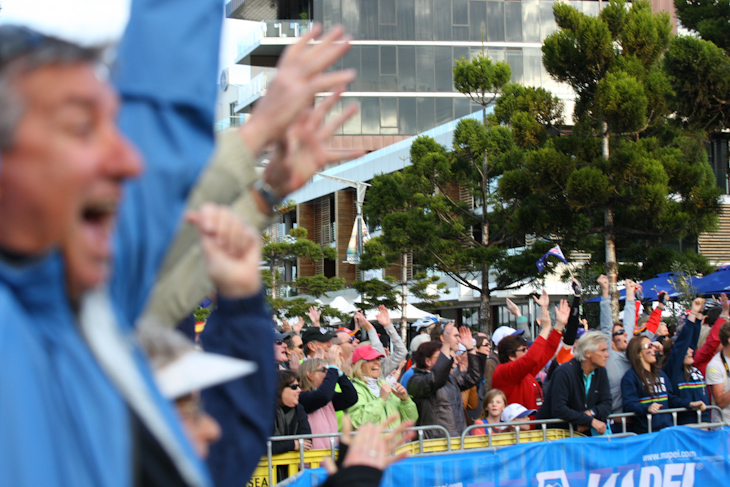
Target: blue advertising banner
x=673, y=457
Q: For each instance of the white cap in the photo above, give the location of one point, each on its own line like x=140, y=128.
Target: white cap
x=197, y=370
x=504, y=331
x=514, y=411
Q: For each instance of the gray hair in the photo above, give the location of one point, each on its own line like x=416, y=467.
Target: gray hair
x=163, y=345
x=589, y=343
x=23, y=50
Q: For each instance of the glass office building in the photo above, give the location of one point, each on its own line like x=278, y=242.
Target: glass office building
x=404, y=51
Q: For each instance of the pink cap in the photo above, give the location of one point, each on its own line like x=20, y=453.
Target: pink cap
x=366, y=352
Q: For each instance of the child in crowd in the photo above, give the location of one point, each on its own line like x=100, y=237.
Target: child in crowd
x=494, y=404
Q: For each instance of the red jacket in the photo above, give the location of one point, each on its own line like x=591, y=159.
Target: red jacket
x=517, y=379
x=710, y=347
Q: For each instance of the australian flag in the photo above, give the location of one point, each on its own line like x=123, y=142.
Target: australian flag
x=543, y=260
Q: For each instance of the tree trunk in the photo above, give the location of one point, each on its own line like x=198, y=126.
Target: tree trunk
x=485, y=311
x=611, y=261
x=404, y=302
x=609, y=237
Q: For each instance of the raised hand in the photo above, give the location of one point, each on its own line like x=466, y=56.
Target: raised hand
x=314, y=315
x=383, y=316
x=513, y=309
x=562, y=313
x=465, y=338
x=298, y=325
x=285, y=325
x=544, y=300
x=362, y=321
x=232, y=250
x=603, y=283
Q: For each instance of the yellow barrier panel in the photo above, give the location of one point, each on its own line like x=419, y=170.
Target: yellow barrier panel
x=312, y=459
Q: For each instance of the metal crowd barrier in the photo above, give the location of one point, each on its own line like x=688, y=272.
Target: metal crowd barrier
x=623, y=417
x=299, y=460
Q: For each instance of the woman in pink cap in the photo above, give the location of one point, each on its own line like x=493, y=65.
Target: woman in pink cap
x=376, y=400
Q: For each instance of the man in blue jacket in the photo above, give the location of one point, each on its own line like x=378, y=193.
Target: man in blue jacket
x=579, y=392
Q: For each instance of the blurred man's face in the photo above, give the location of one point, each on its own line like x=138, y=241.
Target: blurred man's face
x=346, y=343
x=62, y=175
x=619, y=340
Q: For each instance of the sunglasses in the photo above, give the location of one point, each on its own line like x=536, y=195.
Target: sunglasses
x=618, y=333
x=321, y=369
x=648, y=347
x=278, y=342
x=523, y=350
x=293, y=387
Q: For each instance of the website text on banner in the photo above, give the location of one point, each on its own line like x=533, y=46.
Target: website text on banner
x=676, y=457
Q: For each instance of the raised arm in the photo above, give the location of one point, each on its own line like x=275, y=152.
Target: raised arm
x=391, y=362
x=606, y=314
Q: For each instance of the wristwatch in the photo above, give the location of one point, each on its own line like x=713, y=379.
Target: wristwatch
x=267, y=193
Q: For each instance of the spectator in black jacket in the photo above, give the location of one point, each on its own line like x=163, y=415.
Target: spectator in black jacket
x=290, y=416
x=435, y=389
x=579, y=392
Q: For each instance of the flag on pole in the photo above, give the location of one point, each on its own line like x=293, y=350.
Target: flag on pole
x=543, y=260
x=359, y=237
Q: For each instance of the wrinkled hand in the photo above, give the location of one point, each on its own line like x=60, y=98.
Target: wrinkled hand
x=513, y=309
x=725, y=302
x=544, y=300
x=314, y=315
x=654, y=408
x=301, y=74
x=383, y=316
x=232, y=250
x=318, y=353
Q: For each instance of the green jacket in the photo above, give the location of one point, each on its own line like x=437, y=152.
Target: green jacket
x=371, y=409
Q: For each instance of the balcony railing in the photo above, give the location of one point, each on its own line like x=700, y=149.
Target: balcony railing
x=247, y=94
x=228, y=122
x=273, y=28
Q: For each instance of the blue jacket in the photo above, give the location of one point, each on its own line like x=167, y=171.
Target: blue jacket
x=65, y=422
x=694, y=389
x=637, y=400
x=244, y=408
